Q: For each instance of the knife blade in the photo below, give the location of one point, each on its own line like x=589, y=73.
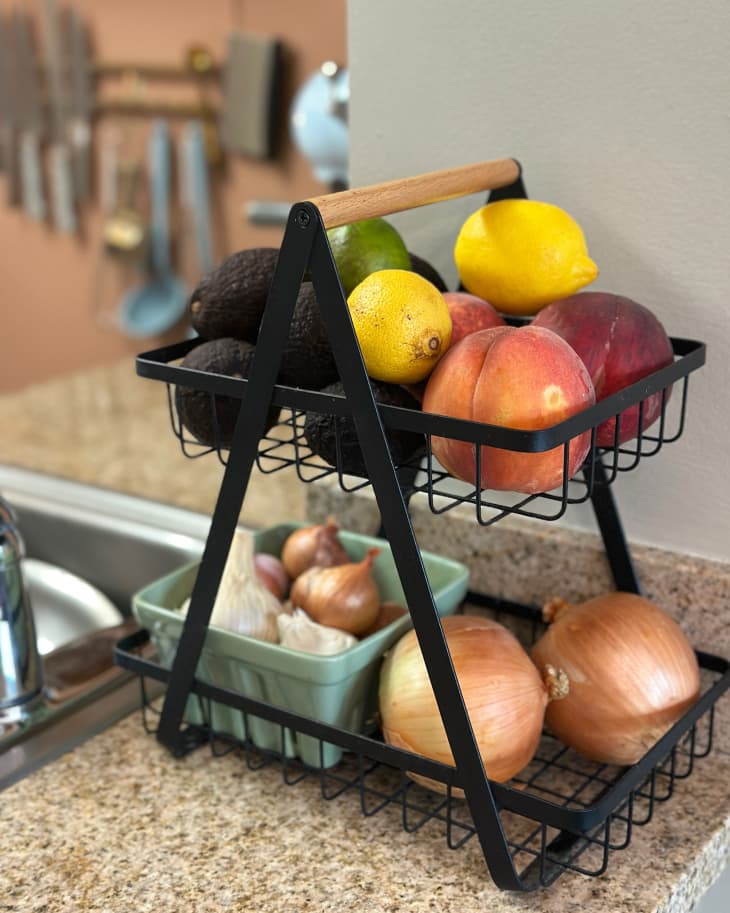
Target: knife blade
x=8, y=114
x=62, y=202
x=31, y=127
x=82, y=106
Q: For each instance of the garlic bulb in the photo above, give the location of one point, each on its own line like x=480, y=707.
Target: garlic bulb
x=243, y=604
x=299, y=632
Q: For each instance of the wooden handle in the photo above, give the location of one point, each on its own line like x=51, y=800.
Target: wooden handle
x=419, y=190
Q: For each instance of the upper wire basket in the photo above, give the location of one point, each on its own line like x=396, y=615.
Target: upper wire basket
x=286, y=444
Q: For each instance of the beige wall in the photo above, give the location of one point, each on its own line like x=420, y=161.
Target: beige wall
x=48, y=323
x=619, y=113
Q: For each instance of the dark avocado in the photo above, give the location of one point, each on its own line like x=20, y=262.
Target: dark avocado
x=230, y=300
x=308, y=360
x=232, y=357
x=424, y=268
x=321, y=431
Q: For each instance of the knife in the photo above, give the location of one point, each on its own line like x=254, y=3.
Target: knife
x=62, y=203
x=8, y=113
x=82, y=106
x=31, y=128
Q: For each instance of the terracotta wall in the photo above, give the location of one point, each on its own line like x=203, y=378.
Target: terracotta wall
x=52, y=320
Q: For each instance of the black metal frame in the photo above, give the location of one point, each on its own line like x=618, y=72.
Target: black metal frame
x=305, y=249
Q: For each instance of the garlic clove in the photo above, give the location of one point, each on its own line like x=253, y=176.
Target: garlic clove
x=299, y=632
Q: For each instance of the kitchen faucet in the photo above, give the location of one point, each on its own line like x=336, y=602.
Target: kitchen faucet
x=21, y=672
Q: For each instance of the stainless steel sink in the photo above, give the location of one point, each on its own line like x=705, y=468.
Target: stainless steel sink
x=115, y=543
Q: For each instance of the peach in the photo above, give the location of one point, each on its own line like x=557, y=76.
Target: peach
x=519, y=377
x=470, y=313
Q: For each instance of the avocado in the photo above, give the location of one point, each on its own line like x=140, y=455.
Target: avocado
x=307, y=360
x=230, y=300
x=321, y=431
x=424, y=268
x=232, y=357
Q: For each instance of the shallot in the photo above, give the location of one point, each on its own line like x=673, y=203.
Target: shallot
x=345, y=596
x=313, y=546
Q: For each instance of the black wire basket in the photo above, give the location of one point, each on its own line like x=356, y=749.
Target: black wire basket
x=562, y=813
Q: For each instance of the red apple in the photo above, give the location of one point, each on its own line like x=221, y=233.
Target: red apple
x=470, y=313
x=620, y=341
x=520, y=377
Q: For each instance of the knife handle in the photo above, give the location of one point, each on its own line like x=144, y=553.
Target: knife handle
x=31, y=177
x=81, y=145
x=64, y=216
x=12, y=165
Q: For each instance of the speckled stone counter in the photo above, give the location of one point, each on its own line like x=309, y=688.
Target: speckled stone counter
x=119, y=825
x=111, y=428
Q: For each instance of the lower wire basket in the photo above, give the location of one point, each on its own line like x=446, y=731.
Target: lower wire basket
x=562, y=813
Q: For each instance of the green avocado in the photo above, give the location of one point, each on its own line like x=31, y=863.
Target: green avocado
x=209, y=426
x=230, y=300
x=424, y=268
x=321, y=431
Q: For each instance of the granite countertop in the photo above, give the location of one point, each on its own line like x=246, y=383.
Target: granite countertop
x=119, y=824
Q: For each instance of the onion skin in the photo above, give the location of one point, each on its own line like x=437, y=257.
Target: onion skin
x=632, y=672
x=313, y=546
x=270, y=571
x=345, y=596
x=503, y=692
x=387, y=613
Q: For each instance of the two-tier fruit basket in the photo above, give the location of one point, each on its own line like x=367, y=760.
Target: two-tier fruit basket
x=562, y=813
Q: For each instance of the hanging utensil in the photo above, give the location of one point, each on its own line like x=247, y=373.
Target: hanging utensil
x=125, y=230
x=196, y=192
x=8, y=113
x=122, y=250
x=62, y=202
x=81, y=108
x=251, y=94
x=31, y=133
x=154, y=307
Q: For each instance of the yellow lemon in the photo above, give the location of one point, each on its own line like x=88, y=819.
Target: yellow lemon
x=402, y=323
x=522, y=254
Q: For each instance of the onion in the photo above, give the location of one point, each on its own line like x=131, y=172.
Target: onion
x=344, y=597
x=312, y=546
x=632, y=674
x=503, y=691
x=387, y=613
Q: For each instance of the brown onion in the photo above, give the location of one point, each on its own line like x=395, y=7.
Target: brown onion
x=344, y=597
x=632, y=674
x=503, y=692
x=311, y=546
x=387, y=613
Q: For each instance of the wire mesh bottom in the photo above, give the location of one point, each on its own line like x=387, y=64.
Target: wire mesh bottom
x=557, y=778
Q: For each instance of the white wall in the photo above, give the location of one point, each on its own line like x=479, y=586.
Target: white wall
x=620, y=113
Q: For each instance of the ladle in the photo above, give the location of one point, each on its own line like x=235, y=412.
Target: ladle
x=156, y=306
